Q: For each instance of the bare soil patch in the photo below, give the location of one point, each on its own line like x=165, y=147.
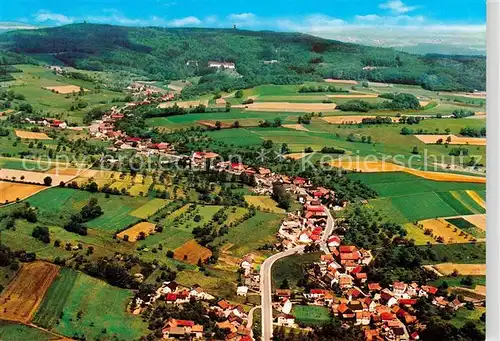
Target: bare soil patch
x=64, y=89
x=341, y=81
x=449, y=233
x=379, y=166
x=354, y=119
x=25, y=292
x=183, y=104
x=192, y=252
x=220, y=101
x=31, y=135
x=299, y=127
x=136, y=230
x=31, y=177
x=212, y=124
x=297, y=156
x=432, y=139
x=463, y=269
x=11, y=191
x=287, y=106
x=479, y=220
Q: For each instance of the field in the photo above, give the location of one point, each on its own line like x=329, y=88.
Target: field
x=431, y=139
x=478, y=220
x=445, y=229
x=20, y=299
x=16, y=332
x=465, y=225
x=252, y=233
x=55, y=205
x=264, y=202
x=408, y=198
x=150, y=208
x=292, y=269
x=352, y=119
x=134, y=231
x=106, y=309
x=456, y=253
x=287, y=106
x=31, y=135
x=32, y=177
x=64, y=89
x=11, y=191
x=311, y=315
x=380, y=166
x=463, y=269
x=192, y=252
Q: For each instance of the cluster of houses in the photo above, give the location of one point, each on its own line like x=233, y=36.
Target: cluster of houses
x=250, y=277
x=149, y=93
x=343, y=287
x=48, y=122
x=232, y=317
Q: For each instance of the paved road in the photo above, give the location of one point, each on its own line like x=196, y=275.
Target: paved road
x=266, y=290
x=250, y=318
x=265, y=278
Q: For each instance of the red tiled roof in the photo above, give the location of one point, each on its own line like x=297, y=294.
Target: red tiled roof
x=317, y=292
x=407, y=301
x=347, y=248
x=386, y=316
x=185, y=323
x=171, y=297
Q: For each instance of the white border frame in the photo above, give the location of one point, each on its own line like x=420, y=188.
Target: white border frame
x=493, y=171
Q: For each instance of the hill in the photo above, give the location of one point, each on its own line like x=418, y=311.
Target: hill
x=163, y=53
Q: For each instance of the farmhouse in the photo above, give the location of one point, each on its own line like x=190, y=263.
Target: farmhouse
x=221, y=65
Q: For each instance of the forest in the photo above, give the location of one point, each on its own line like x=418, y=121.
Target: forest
x=163, y=54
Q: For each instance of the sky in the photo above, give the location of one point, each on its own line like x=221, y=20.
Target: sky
x=457, y=24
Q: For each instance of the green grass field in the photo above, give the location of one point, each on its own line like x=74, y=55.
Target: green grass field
x=19, y=332
x=457, y=253
x=149, y=208
x=292, y=269
x=102, y=306
x=57, y=204
x=252, y=233
x=406, y=198
x=311, y=315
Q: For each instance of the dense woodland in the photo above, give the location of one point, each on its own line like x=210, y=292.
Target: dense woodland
x=163, y=53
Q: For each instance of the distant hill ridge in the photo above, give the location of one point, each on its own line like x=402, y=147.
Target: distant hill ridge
x=163, y=53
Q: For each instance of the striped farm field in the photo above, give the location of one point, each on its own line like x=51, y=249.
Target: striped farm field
x=98, y=304
x=19, y=301
x=406, y=197
x=117, y=219
x=150, y=208
x=477, y=198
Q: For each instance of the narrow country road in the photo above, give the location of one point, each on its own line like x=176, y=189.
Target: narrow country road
x=250, y=319
x=265, y=277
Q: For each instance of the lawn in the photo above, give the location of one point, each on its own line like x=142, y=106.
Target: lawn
x=311, y=315
x=102, y=306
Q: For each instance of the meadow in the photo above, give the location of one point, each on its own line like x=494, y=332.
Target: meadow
x=311, y=315
x=67, y=310
x=14, y=332
x=407, y=198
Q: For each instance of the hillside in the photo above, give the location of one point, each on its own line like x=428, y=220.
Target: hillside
x=162, y=53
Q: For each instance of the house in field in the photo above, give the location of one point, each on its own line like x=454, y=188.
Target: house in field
x=182, y=329
x=285, y=320
x=221, y=65
x=242, y=291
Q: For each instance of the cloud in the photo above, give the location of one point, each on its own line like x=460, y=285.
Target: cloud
x=243, y=19
x=397, y=7
x=187, y=21
x=59, y=19
x=16, y=26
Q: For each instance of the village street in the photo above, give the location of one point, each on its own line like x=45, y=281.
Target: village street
x=265, y=277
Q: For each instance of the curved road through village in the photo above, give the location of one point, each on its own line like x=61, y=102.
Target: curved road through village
x=265, y=277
